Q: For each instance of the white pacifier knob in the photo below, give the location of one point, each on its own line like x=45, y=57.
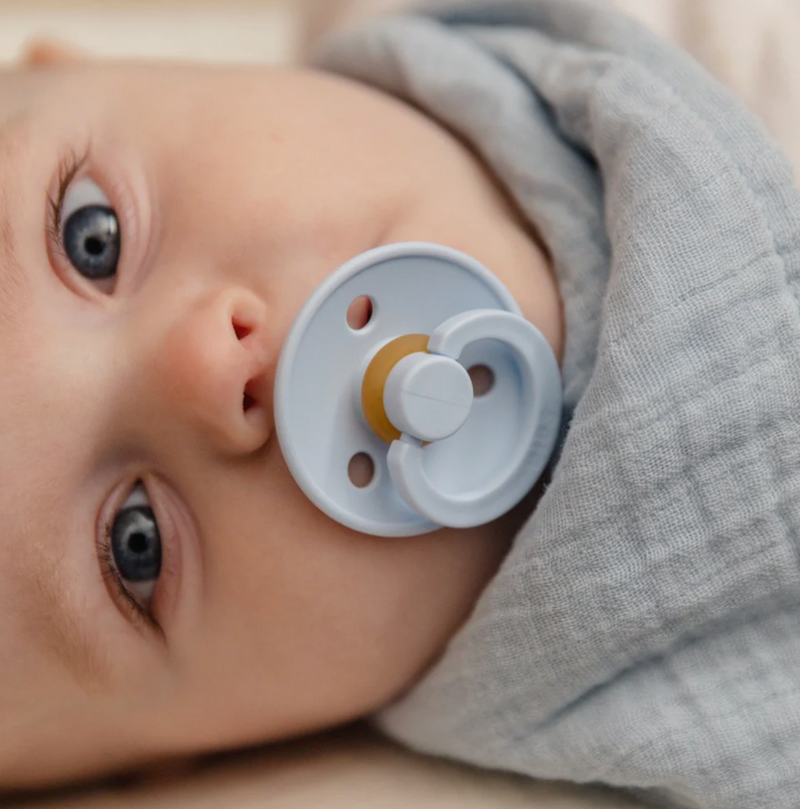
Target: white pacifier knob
x=541, y=391
x=398, y=390
x=428, y=396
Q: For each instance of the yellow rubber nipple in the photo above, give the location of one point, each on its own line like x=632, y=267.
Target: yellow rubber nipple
x=375, y=381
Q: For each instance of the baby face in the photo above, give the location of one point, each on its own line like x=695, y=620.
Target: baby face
x=165, y=587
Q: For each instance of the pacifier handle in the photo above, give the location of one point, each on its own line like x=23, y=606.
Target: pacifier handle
x=541, y=392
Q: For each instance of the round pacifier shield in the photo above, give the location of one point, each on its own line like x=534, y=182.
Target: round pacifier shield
x=408, y=288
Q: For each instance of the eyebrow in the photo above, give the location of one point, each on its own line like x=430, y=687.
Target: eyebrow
x=55, y=613
x=14, y=283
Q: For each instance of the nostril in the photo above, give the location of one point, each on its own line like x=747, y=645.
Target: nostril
x=250, y=396
x=240, y=330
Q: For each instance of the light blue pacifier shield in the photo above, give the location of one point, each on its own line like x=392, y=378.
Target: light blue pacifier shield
x=502, y=439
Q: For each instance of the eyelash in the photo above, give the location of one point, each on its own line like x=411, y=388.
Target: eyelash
x=68, y=169
x=111, y=576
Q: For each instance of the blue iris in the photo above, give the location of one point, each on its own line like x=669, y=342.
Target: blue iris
x=136, y=544
x=92, y=241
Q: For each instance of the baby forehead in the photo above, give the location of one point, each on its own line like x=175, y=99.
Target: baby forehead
x=22, y=95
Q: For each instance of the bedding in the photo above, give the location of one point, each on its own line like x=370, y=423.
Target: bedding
x=643, y=632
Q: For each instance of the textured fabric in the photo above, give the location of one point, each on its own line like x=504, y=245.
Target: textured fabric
x=644, y=631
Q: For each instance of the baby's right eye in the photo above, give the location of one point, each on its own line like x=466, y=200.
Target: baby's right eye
x=90, y=233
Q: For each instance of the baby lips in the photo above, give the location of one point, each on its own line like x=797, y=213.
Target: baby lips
x=392, y=395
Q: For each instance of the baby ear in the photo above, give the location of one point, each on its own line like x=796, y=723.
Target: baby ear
x=52, y=53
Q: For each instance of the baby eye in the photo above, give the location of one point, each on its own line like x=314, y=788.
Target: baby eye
x=90, y=233
x=135, y=545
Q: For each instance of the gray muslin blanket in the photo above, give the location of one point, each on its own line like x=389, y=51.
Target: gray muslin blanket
x=644, y=631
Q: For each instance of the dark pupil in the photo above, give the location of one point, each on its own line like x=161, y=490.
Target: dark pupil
x=94, y=246
x=92, y=241
x=136, y=544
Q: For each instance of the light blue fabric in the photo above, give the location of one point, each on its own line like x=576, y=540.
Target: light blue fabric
x=645, y=629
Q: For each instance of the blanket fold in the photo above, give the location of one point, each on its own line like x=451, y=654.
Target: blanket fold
x=644, y=631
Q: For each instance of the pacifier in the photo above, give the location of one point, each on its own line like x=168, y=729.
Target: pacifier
x=397, y=394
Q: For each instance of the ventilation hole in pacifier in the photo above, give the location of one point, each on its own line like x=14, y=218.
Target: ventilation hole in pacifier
x=360, y=312
x=361, y=470
x=482, y=377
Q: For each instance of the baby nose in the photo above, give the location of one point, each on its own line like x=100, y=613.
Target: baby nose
x=216, y=370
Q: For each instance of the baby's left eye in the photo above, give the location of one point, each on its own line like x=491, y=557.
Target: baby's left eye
x=90, y=232
x=135, y=547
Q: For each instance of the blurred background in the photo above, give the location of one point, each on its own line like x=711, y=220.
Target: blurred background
x=229, y=31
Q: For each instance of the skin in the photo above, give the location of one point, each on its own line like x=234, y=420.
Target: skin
x=238, y=191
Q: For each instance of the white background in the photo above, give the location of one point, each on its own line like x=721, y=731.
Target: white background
x=225, y=31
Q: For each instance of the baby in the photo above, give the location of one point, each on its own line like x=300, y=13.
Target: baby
x=169, y=590
x=163, y=226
